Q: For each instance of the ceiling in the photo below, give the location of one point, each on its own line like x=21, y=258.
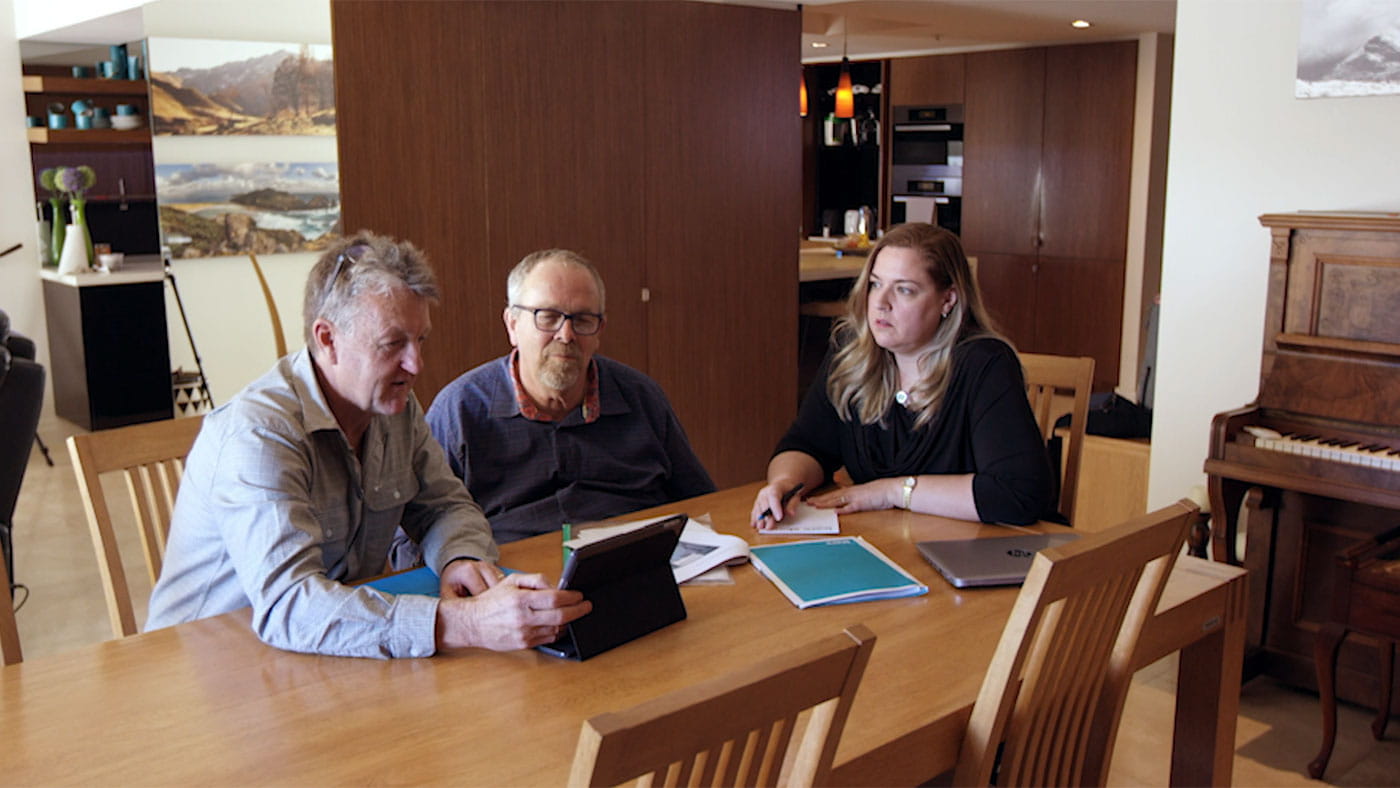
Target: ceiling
x=883, y=28
x=868, y=28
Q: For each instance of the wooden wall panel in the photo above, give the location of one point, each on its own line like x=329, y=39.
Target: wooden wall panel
x=659, y=139
x=722, y=161
x=1089, y=129
x=1002, y=151
x=410, y=98
x=564, y=131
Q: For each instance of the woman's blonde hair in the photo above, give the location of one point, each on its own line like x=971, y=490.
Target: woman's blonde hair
x=863, y=378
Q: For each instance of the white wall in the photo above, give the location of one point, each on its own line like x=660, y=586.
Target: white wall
x=19, y=271
x=1241, y=146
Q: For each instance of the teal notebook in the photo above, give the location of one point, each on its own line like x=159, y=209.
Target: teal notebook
x=414, y=581
x=833, y=571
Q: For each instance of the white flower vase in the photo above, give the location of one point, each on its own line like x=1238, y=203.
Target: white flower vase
x=74, y=259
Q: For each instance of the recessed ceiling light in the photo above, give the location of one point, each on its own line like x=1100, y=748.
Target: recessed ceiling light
x=1080, y=23
x=819, y=45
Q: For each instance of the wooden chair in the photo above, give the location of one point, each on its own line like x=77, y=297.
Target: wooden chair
x=1050, y=703
x=10, y=652
x=152, y=459
x=279, y=343
x=1047, y=376
x=736, y=729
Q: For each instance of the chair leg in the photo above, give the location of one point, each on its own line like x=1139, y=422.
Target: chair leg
x=43, y=448
x=1387, y=654
x=1329, y=640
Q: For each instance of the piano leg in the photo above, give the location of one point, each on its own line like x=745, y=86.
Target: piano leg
x=1259, y=519
x=1329, y=639
x=1387, y=655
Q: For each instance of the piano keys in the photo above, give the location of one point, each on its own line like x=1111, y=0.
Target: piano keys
x=1312, y=466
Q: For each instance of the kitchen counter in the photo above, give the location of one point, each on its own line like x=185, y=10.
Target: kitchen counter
x=136, y=269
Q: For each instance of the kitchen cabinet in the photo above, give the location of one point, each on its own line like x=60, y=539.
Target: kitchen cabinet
x=1047, y=147
x=108, y=351
x=931, y=80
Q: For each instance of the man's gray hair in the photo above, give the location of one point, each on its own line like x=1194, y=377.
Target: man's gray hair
x=361, y=264
x=515, y=283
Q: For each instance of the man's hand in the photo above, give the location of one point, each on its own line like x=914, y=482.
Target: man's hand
x=464, y=577
x=518, y=611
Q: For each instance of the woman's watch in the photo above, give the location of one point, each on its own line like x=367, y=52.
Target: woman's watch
x=909, y=484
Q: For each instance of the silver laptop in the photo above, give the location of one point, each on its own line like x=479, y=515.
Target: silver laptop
x=995, y=561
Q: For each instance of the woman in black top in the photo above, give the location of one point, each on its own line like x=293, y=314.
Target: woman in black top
x=921, y=400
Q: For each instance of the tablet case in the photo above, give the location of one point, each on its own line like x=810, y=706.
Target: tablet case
x=628, y=579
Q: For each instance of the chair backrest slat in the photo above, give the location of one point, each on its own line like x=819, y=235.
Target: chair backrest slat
x=150, y=458
x=1047, y=375
x=1050, y=704
x=737, y=729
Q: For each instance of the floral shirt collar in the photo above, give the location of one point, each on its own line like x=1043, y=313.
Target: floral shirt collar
x=591, y=407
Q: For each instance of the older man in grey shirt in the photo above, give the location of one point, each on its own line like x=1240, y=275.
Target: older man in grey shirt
x=294, y=488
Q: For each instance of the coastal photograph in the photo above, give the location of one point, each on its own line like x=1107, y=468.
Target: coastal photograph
x=240, y=88
x=218, y=210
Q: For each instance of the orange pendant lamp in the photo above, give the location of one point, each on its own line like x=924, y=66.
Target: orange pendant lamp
x=845, y=98
x=802, y=94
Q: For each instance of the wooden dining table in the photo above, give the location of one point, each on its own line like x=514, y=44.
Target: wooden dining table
x=207, y=703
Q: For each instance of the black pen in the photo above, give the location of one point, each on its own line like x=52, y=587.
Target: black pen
x=787, y=496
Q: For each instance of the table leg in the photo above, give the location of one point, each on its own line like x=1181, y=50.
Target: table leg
x=1208, y=699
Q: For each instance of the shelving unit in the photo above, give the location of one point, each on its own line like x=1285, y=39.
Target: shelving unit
x=43, y=136
x=78, y=86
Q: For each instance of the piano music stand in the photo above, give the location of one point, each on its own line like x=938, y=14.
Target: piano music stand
x=1366, y=599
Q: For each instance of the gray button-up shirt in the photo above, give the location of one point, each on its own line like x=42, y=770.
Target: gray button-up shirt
x=275, y=511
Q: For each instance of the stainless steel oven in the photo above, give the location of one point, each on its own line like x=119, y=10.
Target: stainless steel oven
x=926, y=161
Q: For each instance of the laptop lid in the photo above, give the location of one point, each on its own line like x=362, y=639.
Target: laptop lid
x=994, y=561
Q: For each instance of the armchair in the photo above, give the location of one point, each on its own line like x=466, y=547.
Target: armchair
x=21, y=398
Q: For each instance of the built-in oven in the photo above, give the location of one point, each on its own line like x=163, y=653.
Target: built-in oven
x=926, y=161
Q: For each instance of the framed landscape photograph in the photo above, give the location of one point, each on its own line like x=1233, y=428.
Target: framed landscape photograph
x=219, y=210
x=1348, y=48
x=240, y=87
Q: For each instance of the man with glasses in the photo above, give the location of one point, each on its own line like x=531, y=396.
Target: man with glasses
x=553, y=433
x=293, y=490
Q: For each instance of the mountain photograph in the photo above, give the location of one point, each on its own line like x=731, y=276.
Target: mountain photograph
x=241, y=88
x=1348, y=48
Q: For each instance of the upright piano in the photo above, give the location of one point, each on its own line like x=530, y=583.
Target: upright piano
x=1312, y=466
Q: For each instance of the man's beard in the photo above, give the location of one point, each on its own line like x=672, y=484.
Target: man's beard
x=561, y=373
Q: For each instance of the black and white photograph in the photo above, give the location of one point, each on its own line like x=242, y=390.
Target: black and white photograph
x=1349, y=48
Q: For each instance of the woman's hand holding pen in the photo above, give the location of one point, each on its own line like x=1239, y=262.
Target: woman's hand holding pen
x=776, y=500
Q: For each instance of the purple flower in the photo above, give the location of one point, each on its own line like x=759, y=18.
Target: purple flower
x=75, y=180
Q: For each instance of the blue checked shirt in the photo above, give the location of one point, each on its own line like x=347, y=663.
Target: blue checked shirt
x=275, y=511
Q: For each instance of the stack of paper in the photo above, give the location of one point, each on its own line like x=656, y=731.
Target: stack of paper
x=701, y=548
x=833, y=571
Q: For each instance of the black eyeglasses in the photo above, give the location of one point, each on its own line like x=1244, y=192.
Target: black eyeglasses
x=343, y=260
x=550, y=320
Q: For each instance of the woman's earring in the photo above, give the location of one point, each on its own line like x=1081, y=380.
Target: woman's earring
x=946, y=311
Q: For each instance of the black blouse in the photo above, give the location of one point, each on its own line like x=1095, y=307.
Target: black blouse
x=984, y=426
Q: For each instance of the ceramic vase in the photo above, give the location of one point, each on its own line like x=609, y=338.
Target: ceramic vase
x=80, y=220
x=59, y=219
x=45, y=237
x=74, y=259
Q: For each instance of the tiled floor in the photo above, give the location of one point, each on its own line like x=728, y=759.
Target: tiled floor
x=1277, y=731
